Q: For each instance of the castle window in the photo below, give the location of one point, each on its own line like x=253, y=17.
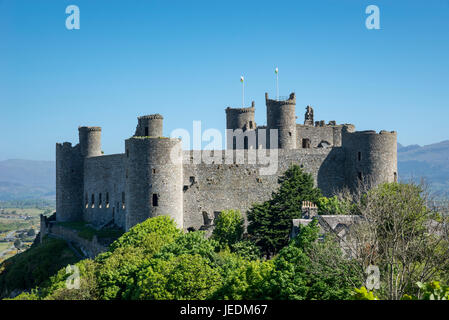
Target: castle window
x=123, y=200
x=360, y=176
x=289, y=133
x=127, y=153
x=92, y=201
x=192, y=180
x=207, y=221
x=359, y=156
x=245, y=142
x=154, y=171
x=146, y=131
x=99, y=200
x=155, y=200
x=395, y=177
x=126, y=174
x=250, y=124
x=86, y=201
x=107, y=199
x=306, y=143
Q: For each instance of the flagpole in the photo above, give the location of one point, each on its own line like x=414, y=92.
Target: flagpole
x=277, y=82
x=242, y=80
x=243, y=94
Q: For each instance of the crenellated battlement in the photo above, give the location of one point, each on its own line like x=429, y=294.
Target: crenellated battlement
x=151, y=117
x=81, y=128
x=374, y=132
x=64, y=145
x=291, y=99
x=251, y=109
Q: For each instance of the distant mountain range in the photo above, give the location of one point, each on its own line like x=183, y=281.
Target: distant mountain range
x=28, y=179
x=430, y=162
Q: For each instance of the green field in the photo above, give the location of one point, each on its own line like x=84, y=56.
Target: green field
x=35, y=212
x=16, y=222
x=4, y=246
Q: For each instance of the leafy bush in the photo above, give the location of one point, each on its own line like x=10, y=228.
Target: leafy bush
x=180, y=277
x=191, y=243
x=88, y=289
x=249, y=280
x=431, y=290
x=400, y=234
x=246, y=250
x=312, y=269
x=335, y=206
x=129, y=253
x=151, y=234
x=228, y=227
x=363, y=294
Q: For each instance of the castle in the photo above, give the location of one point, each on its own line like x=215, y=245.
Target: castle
x=154, y=176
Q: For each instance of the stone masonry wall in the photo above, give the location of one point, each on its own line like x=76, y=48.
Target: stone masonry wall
x=105, y=175
x=317, y=134
x=211, y=188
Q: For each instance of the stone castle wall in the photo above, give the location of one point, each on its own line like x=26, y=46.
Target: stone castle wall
x=104, y=175
x=211, y=188
x=91, y=248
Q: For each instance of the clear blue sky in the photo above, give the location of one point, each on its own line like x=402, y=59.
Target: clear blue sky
x=183, y=59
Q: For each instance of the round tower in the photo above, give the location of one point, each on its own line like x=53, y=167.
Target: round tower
x=371, y=158
x=154, y=179
x=149, y=126
x=90, y=141
x=281, y=116
x=69, y=182
x=240, y=119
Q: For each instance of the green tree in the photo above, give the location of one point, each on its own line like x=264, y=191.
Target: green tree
x=401, y=235
x=245, y=279
x=228, y=227
x=311, y=269
x=270, y=222
x=334, y=205
x=246, y=250
x=191, y=243
x=180, y=277
x=151, y=235
x=131, y=252
x=31, y=233
x=88, y=285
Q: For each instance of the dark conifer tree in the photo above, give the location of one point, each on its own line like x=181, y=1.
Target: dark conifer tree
x=270, y=222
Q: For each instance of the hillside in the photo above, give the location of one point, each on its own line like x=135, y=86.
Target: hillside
x=430, y=162
x=27, y=179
